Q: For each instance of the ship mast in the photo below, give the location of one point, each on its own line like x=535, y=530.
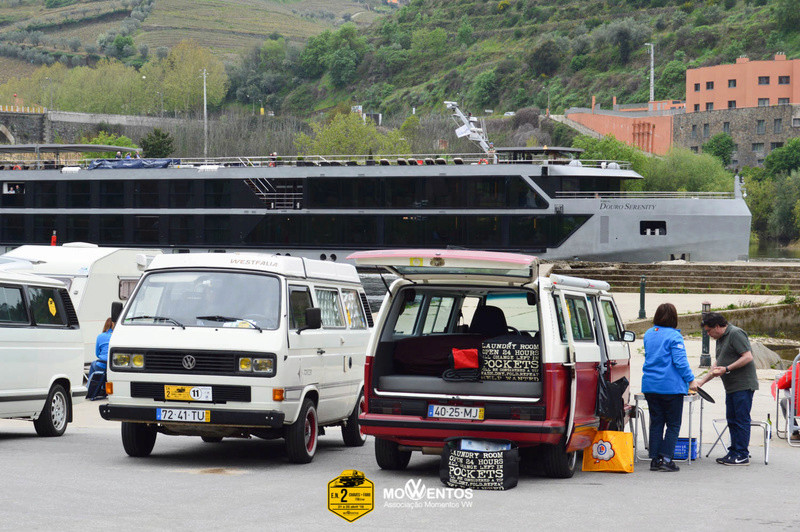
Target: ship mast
x=468, y=127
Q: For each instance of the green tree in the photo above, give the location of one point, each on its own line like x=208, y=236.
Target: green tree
x=465, y=34
x=721, y=146
x=787, y=14
x=682, y=170
x=157, y=144
x=107, y=139
x=182, y=74
x=608, y=148
x=784, y=159
x=121, y=44
x=349, y=134
x=484, y=88
x=760, y=200
x=342, y=67
x=783, y=224
x=545, y=58
x=429, y=43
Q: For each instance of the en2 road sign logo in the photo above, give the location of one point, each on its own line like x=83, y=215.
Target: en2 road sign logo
x=351, y=495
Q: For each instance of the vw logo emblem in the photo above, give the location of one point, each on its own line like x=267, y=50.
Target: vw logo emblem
x=189, y=362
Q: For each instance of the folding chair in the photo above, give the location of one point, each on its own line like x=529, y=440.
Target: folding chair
x=763, y=425
x=96, y=386
x=792, y=418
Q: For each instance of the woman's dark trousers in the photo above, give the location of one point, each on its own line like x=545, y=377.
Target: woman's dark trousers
x=665, y=409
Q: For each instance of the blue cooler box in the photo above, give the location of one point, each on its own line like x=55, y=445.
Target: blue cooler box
x=682, y=449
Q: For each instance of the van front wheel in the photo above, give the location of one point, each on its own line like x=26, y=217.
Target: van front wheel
x=352, y=433
x=557, y=462
x=301, y=436
x=389, y=456
x=138, y=439
x=53, y=419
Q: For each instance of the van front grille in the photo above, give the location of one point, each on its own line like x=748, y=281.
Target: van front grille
x=220, y=393
x=184, y=362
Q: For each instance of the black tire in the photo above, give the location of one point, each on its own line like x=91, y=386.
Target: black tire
x=302, y=436
x=389, y=456
x=211, y=439
x=138, y=439
x=557, y=462
x=53, y=418
x=352, y=434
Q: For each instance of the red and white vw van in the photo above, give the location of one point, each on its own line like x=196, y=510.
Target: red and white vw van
x=542, y=343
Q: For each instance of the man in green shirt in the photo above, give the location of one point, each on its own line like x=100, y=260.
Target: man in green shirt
x=734, y=364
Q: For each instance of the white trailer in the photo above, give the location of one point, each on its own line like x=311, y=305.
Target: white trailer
x=95, y=277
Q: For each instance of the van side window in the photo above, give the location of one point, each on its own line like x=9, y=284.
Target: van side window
x=331, y=309
x=46, y=306
x=559, y=318
x=439, y=310
x=299, y=301
x=352, y=307
x=12, y=307
x=612, y=323
x=408, y=315
x=579, y=318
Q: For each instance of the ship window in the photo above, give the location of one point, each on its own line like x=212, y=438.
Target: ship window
x=146, y=230
x=78, y=228
x=112, y=194
x=218, y=229
x=78, y=194
x=481, y=231
x=45, y=195
x=521, y=195
x=43, y=227
x=400, y=193
x=181, y=230
x=656, y=228
x=145, y=194
x=13, y=228
x=488, y=192
x=180, y=194
x=111, y=229
x=539, y=232
x=218, y=193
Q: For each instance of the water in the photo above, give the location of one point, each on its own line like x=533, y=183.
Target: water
x=771, y=250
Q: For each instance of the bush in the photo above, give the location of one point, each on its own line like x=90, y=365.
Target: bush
x=157, y=144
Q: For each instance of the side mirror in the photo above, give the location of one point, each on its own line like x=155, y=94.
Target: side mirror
x=532, y=299
x=313, y=319
x=116, y=309
x=628, y=336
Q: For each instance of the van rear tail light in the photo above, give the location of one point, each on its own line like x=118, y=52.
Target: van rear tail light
x=277, y=394
x=109, y=388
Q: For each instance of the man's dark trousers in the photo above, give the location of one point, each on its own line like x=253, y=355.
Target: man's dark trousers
x=737, y=410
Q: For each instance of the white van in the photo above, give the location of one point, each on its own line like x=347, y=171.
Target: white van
x=95, y=277
x=240, y=345
x=41, y=352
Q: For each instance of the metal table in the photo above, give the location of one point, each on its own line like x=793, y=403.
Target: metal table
x=640, y=422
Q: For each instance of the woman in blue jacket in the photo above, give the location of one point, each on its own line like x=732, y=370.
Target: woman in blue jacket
x=95, y=387
x=666, y=378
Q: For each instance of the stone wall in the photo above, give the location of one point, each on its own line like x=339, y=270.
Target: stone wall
x=69, y=127
x=692, y=130
x=21, y=128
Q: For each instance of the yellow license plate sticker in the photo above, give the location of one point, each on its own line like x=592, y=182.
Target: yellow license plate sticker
x=187, y=393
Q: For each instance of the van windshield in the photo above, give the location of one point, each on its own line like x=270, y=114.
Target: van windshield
x=206, y=299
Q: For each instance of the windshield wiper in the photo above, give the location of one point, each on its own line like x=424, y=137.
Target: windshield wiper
x=156, y=318
x=227, y=318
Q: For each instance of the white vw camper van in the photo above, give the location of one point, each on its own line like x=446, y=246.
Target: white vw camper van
x=240, y=345
x=41, y=352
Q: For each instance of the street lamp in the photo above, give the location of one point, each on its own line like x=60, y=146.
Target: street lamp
x=205, y=117
x=652, y=76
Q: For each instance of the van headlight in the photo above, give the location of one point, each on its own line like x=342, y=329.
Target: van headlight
x=127, y=360
x=257, y=365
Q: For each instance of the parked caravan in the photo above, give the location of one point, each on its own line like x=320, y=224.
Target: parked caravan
x=94, y=276
x=479, y=345
x=240, y=345
x=41, y=352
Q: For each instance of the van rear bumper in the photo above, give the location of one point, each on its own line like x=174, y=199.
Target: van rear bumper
x=412, y=430
x=233, y=418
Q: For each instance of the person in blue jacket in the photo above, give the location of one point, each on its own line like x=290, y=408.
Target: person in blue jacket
x=666, y=378
x=101, y=352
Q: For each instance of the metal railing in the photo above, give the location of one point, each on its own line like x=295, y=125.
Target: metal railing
x=643, y=195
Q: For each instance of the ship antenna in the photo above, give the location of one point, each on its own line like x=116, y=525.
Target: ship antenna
x=467, y=127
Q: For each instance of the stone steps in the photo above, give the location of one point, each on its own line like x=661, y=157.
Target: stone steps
x=745, y=278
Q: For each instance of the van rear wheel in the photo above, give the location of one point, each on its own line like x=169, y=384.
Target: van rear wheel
x=302, y=435
x=138, y=439
x=53, y=419
x=389, y=456
x=557, y=462
x=352, y=433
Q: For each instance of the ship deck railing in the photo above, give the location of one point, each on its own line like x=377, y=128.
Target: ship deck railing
x=213, y=163
x=643, y=195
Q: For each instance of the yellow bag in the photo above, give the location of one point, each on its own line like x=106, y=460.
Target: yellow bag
x=610, y=451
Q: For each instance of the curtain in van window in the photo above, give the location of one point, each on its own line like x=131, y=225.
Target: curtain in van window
x=352, y=307
x=12, y=307
x=330, y=307
x=46, y=306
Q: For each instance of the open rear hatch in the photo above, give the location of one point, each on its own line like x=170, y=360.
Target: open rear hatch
x=419, y=265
